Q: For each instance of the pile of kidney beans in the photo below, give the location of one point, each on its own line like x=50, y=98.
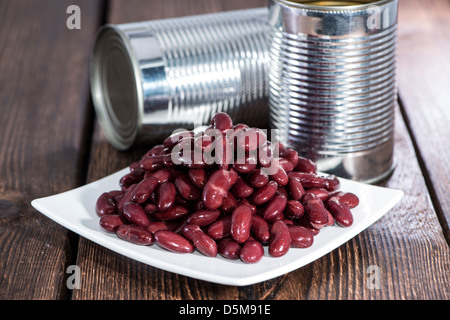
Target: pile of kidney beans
x=227, y=207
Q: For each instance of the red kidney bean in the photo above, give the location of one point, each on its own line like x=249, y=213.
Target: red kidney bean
x=316, y=213
x=292, y=156
x=222, y=121
x=228, y=248
x=163, y=175
x=154, y=226
x=202, y=242
x=220, y=229
x=245, y=164
x=134, y=234
x=149, y=207
x=265, y=155
x=134, y=213
x=111, y=222
x=330, y=218
x=246, y=202
x=152, y=163
x=186, y=189
x=258, y=178
x=216, y=189
x=296, y=189
x=130, y=179
x=249, y=140
x=341, y=213
x=203, y=218
x=285, y=164
x=301, y=237
x=280, y=239
x=144, y=190
x=251, y=251
x=306, y=165
x=176, y=212
x=241, y=189
x=264, y=194
x=280, y=176
x=304, y=222
x=309, y=180
x=294, y=209
x=155, y=151
x=126, y=198
x=260, y=228
x=274, y=208
x=166, y=196
x=321, y=193
x=229, y=203
x=241, y=221
x=105, y=205
x=349, y=199
x=173, y=242
x=332, y=183
x=198, y=177
x=136, y=169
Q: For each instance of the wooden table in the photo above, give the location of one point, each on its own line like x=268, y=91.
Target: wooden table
x=51, y=142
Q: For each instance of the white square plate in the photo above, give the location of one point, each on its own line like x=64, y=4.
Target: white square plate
x=75, y=210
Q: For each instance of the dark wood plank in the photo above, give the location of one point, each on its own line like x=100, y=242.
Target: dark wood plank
x=424, y=84
x=43, y=97
x=407, y=244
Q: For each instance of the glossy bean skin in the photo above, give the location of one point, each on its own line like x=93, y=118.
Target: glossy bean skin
x=245, y=164
x=301, y=237
x=229, y=203
x=198, y=177
x=130, y=179
x=166, y=196
x=280, y=176
x=203, y=218
x=321, y=193
x=251, y=251
x=260, y=228
x=222, y=121
x=154, y=226
x=305, y=165
x=309, y=180
x=135, y=214
x=241, y=221
x=105, y=205
x=173, y=242
x=296, y=189
x=111, y=222
x=202, y=242
x=216, y=189
x=152, y=163
x=186, y=189
x=176, y=212
x=341, y=213
x=294, y=209
x=241, y=189
x=274, y=208
x=280, y=239
x=134, y=234
x=220, y=229
x=316, y=213
x=351, y=200
x=264, y=194
x=162, y=175
x=332, y=183
x=228, y=248
x=144, y=189
x=258, y=178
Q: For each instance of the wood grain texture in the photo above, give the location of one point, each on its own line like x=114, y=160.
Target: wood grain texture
x=43, y=100
x=407, y=244
x=424, y=82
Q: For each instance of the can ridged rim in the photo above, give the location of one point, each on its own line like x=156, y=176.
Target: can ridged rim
x=313, y=8
x=101, y=100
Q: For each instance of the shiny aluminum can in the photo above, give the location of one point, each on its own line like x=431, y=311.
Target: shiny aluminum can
x=150, y=78
x=333, y=86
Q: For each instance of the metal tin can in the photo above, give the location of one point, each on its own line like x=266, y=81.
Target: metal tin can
x=149, y=78
x=333, y=87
